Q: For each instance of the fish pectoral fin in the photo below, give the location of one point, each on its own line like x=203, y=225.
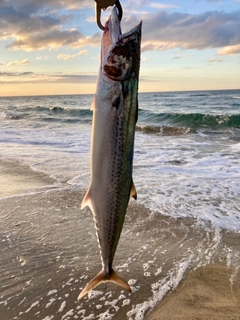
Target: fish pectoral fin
x=93, y=104
x=102, y=277
x=133, y=192
x=87, y=201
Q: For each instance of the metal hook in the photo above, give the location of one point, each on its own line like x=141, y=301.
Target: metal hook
x=98, y=16
x=98, y=9
x=120, y=11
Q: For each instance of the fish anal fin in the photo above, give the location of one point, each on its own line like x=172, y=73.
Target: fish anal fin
x=133, y=192
x=102, y=277
x=87, y=201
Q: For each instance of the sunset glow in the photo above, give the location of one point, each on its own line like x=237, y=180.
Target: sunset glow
x=52, y=47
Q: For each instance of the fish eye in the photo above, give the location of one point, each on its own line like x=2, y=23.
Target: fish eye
x=133, y=45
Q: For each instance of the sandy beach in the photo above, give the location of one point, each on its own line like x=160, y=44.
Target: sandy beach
x=206, y=293
x=16, y=179
x=49, y=252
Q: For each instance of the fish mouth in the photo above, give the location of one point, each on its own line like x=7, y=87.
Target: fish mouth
x=118, y=48
x=113, y=27
x=113, y=33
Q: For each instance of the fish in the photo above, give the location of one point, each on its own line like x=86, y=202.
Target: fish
x=115, y=113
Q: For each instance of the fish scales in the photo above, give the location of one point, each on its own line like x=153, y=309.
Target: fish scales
x=115, y=109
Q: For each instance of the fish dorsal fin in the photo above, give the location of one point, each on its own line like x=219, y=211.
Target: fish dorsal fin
x=93, y=104
x=133, y=192
x=87, y=201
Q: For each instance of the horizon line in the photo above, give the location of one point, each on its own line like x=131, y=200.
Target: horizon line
x=81, y=94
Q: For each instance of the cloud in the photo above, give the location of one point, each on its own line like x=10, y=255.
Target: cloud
x=36, y=25
x=163, y=31
x=74, y=78
x=91, y=19
x=229, y=50
x=215, y=60
x=50, y=24
x=41, y=58
x=53, y=40
x=26, y=74
x=46, y=5
x=1, y=64
x=17, y=63
x=63, y=56
x=158, y=5
x=30, y=77
x=47, y=39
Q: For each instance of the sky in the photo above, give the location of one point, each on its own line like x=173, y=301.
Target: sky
x=52, y=46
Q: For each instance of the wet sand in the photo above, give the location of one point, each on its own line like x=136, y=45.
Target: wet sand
x=205, y=294
x=177, y=268
x=16, y=179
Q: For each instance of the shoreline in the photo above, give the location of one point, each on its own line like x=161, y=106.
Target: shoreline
x=16, y=179
x=49, y=252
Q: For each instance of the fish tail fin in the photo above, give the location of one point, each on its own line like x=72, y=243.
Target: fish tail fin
x=117, y=279
x=102, y=277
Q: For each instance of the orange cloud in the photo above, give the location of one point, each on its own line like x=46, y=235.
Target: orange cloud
x=215, y=60
x=17, y=63
x=63, y=56
x=229, y=50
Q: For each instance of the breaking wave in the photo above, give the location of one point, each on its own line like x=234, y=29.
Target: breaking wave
x=191, y=120
x=163, y=130
x=148, y=121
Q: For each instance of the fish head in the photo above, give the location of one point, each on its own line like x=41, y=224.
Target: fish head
x=120, y=53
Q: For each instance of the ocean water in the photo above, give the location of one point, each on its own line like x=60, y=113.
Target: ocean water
x=187, y=176
x=187, y=148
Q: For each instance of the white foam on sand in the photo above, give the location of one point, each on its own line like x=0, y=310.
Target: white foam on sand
x=52, y=292
x=62, y=307
x=50, y=302
x=34, y=304
x=48, y=318
x=70, y=313
x=160, y=289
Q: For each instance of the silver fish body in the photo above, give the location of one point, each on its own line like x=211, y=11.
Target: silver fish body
x=115, y=109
